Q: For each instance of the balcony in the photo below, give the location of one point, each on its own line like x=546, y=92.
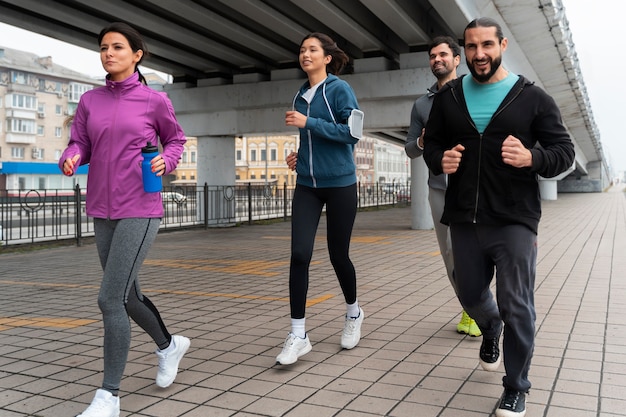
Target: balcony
x=12, y=113
x=26, y=138
x=21, y=88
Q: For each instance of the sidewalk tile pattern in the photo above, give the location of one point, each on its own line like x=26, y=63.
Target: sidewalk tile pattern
x=226, y=289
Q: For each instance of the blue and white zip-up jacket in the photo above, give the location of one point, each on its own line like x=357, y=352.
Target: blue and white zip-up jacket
x=326, y=153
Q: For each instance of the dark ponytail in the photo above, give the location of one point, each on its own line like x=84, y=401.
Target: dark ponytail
x=339, y=57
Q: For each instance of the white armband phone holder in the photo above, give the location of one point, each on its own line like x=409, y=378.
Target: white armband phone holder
x=355, y=123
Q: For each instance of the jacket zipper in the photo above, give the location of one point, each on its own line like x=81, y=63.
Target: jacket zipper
x=480, y=150
x=480, y=146
x=108, y=166
x=308, y=133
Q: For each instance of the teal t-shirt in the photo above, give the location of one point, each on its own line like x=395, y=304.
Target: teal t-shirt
x=483, y=99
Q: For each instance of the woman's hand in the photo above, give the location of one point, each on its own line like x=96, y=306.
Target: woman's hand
x=70, y=164
x=157, y=164
x=292, y=160
x=294, y=118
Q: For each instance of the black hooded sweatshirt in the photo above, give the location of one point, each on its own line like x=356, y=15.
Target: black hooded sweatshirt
x=485, y=189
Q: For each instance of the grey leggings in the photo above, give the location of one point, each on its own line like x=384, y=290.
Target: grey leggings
x=122, y=247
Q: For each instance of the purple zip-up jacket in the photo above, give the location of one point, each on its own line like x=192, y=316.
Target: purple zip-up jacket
x=111, y=125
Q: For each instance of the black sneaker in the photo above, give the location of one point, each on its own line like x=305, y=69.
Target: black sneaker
x=490, y=354
x=512, y=404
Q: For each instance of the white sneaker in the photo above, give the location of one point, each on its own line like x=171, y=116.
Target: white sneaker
x=352, y=331
x=169, y=360
x=104, y=404
x=294, y=348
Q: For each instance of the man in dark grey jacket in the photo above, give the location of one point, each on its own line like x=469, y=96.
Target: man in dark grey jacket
x=444, y=56
x=482, y=132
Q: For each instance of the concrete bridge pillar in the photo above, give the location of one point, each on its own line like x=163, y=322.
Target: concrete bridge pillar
x=421, y=218
x=216, y=160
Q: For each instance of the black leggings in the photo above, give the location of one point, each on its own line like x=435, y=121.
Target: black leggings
x=307, y=205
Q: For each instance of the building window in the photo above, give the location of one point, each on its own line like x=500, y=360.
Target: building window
x=40, y=130
x=58, y=132
x=17, y=152
x=21, y=126
x=238, y=155
x=58, y=110
x=263, y=155
x=193, y=157
x=252, y=154
x=19, y=77
x=184, y=157
x=77, y=90
x=21, y=101
x=273, y=154
x=42, y=183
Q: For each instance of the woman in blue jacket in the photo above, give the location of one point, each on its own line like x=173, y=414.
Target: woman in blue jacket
x=326, y=176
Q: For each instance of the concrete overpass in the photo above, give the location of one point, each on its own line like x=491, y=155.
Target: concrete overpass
x=235, y=68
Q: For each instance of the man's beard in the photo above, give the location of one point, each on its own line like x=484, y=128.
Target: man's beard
x=441, y=72
x=483, y=78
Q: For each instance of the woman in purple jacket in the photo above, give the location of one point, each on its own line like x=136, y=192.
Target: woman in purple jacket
x=111, y=125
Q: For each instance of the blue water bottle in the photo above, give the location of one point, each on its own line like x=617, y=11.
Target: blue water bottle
x=151, y=182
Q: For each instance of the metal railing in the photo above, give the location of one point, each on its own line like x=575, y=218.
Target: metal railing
x=35, y=216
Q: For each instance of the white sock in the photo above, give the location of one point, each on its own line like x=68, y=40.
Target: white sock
x=297, y=327
x=352, y=310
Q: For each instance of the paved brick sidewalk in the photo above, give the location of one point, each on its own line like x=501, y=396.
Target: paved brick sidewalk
x=226, y=289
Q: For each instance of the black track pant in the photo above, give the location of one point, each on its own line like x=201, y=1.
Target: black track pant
x=341, y=205
x=512, y=252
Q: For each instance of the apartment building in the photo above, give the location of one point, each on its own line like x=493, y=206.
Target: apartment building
x=36, y=98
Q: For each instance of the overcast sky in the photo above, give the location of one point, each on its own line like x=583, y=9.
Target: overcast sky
x=594, y=30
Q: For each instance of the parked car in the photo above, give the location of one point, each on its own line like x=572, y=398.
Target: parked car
x=404, y=194
x=170, y=197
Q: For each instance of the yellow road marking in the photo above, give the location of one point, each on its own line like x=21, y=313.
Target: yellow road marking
x=371, y=239
x=242, y=296
x=55, y=322
x=433, y=253
x=310, y=302
x=260, y=268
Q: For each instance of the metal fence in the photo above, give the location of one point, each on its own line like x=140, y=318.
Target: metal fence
x=35, y=216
